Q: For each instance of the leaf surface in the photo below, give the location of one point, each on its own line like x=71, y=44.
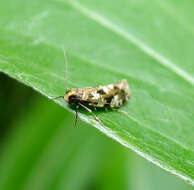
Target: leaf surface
x=141, y=41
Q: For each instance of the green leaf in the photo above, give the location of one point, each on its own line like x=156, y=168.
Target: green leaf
x=147, y=42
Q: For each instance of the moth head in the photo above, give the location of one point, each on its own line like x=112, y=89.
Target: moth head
x=72, y=96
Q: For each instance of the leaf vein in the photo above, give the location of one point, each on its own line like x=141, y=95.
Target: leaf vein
x=130, y=37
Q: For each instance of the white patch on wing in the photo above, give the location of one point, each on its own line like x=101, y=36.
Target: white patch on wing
x=96, y=96
x=120, y=102
x=115, y=101
x=111, y=86
x=121, y=85
x=84, y=95
x=106, y=90
x=116, y=97
x=100, y=104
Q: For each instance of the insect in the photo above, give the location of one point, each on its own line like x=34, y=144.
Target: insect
x=109, y=96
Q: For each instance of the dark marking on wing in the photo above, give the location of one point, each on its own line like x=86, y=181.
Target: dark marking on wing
x=116, y=88
x=122, y=93
x=109, y=99
x=101, y=91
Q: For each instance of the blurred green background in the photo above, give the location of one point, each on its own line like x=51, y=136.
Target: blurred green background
x=41, y=149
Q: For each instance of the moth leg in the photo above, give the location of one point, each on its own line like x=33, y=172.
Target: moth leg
x=76, y=114
x=89, y=110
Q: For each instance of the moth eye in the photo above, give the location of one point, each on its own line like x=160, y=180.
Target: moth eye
x=72, y=97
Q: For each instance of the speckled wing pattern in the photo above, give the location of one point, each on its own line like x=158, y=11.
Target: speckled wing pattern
x=112, y=95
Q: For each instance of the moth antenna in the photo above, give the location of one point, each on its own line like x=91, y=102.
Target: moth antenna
x=66, y=69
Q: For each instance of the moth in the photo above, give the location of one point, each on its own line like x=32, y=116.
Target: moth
x=109, y=96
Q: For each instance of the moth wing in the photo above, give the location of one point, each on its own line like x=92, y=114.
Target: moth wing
x=112, y=95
